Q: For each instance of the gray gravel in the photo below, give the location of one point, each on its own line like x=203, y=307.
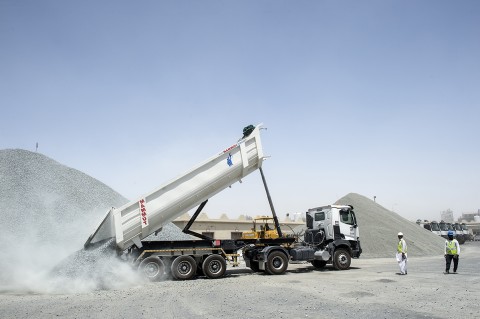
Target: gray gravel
x=371, y=289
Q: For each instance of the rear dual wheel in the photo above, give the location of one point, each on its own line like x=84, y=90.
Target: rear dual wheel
x=184, y=268
x=214, y=266
x=152, y=268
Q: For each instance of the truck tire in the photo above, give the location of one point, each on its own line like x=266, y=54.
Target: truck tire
x=152, y=268
x=319, y=264
x=184, y=268
x=277, y=263
x=214, y=266
x=341, y=259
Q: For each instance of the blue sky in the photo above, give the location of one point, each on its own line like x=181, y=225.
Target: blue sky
x=379, y=98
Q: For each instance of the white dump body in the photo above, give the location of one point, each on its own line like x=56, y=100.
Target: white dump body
x=136, y=220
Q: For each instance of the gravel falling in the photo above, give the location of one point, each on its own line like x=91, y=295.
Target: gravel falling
x=47, y=211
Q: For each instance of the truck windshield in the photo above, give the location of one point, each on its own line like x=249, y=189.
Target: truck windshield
x=458, y=227
x=443, y=226
x=464, y=227
x=347, y=217
x=450, y=227
x=435, y=227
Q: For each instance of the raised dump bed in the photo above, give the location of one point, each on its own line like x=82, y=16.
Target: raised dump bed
x=138, y=219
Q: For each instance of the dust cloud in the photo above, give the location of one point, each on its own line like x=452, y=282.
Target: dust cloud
x=45, y=267
x=47, y=211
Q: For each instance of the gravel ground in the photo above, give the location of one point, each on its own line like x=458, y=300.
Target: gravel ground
x=370, y=289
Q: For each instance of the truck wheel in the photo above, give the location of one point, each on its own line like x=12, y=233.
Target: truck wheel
x=152, y=268
x=277, y=263
x=341, y=259
x=214, y=266
x=184, y=268
x=319, y=264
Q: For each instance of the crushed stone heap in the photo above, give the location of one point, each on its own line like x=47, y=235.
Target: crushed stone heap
x=46, y=200
x=48, y=210
x=379, y=228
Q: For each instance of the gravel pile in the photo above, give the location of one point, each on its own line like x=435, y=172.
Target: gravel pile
x=46, y=201
x=379, y=228
x=47, y=212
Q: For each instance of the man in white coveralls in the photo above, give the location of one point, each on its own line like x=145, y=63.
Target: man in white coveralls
x=402, y=254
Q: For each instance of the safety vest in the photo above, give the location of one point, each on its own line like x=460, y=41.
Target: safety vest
x=451, y=247
x=400, y=246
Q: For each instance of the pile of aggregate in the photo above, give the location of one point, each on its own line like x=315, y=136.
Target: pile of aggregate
x=47, y=211
x=46, y=200
x=379, y=228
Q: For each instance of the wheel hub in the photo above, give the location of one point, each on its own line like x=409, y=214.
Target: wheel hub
x=151, y=269
x=277, y=263
x=184, y=268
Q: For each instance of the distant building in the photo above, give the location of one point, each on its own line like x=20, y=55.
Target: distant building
x=470, y=217
x=447, y=216
x=225, y=228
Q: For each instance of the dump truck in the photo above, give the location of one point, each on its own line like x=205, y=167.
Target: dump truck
x=332, y=234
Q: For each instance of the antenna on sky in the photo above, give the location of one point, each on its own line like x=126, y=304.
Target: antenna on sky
x=36, y=147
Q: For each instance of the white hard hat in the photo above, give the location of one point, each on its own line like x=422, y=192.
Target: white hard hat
x=400, y=234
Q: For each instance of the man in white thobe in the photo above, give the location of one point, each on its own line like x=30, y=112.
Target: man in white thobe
x=402, y=254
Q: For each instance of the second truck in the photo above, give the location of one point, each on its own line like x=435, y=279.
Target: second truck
x=331, y=234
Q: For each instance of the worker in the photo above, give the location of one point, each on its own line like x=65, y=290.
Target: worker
x=402, y=254
x=452, y=251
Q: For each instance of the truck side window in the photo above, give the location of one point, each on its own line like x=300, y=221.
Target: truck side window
x=346, y=217
x=319, y=216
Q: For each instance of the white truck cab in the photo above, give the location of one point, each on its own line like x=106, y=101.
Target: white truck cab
x=333, y=234
x=334, y=220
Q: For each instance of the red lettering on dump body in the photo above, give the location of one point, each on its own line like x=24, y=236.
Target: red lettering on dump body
x=230, y=148
x=143, y=215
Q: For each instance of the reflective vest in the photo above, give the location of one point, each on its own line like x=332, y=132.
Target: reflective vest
x=451, y=248
x=400, y=246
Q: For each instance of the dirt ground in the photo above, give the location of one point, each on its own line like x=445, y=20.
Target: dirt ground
x=370, y=289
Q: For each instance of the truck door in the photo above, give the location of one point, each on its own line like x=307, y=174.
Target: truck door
x=348, y=224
